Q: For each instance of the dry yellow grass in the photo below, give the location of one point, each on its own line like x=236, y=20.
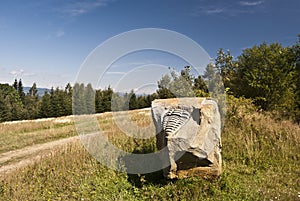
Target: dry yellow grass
x=260, y=162
x=16, y=135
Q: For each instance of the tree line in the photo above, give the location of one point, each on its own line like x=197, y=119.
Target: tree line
x=77, y=99
x=268, y=74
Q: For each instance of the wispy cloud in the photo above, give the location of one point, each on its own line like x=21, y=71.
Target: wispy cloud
x=208, y=10
x=21, y=73
x=55, y=34
x=214, y=11
x=17, y=73
x=228, y=9
x=251, y=3
x=59, y=33
x=82, y=7
x=115, y=73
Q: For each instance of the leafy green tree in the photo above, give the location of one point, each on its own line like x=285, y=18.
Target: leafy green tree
x=176, y=85
x=164, y=88
x=226, y=66
x=200, y=87
x=182, y=85
x=265, y=73
x=295, y=56
x=213, y=79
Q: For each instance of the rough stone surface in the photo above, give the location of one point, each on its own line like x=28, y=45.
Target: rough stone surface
x=188, y=136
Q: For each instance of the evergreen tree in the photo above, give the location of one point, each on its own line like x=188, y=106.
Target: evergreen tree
x=11, y=107
x=68, y=99
x=79, y=102
x=15, y=85
x=106, y=99
x=103, y=101
x=21, y=91
x=45, y=107
x=98, y=99
x=90, y=99
x=33, y=90
x=31, y=103
x=132, y=100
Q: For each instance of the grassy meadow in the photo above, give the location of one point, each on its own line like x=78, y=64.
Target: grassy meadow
x=20, y=134
x=261, y=161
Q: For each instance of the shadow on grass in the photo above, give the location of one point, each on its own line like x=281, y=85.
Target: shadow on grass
x=138, y=180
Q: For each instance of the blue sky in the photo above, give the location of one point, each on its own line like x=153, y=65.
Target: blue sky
x=46, y=41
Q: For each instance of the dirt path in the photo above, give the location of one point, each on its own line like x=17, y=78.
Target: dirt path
x=13, y=160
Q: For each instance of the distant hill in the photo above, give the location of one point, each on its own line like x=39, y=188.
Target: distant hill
x=41, y=91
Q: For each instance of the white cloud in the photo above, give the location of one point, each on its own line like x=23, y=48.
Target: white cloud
x=253, y=3
x=82, y=7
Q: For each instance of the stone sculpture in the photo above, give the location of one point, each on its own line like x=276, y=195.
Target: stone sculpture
x=189, y=136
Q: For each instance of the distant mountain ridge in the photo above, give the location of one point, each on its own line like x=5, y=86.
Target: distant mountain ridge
x=41, y=91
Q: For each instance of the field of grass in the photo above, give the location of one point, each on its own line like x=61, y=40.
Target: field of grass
x=20, y=134
x=261, y=161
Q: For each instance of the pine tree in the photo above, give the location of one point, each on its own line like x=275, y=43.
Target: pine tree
x=33, y=90
x=45, y=108
x=15, y=85
x=132, y=101
x=31, y=103
x=68, y=99
x=79, y=103
x=21, y=91
x=90, y=99
x=11, y=107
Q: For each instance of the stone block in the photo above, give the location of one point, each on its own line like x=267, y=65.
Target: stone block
x=188, y=136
